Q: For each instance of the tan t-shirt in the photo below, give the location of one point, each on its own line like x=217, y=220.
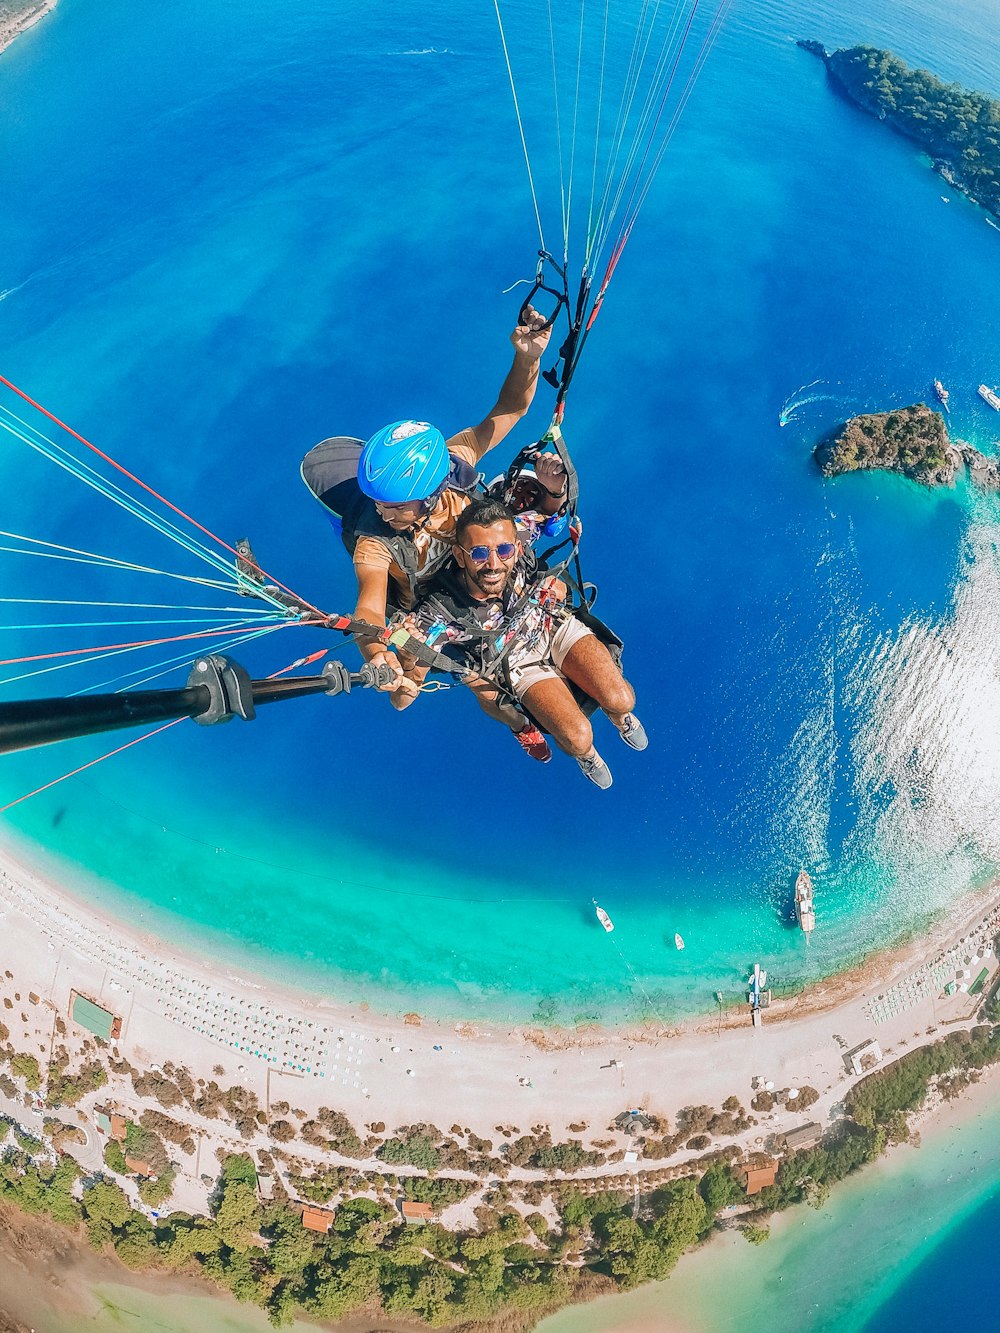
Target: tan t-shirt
x=435, y=535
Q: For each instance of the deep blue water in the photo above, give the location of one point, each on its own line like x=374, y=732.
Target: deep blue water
x=231, y=234
x=943, y=1284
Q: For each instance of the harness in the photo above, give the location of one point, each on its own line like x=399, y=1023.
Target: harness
x=488, y=650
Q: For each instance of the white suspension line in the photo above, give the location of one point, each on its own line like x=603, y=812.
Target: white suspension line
x=576, y=121
x=685, y=95
x=520, y=125
x=138, y=606
x=84, y=659
x=117, y=495
x=168, y=664
x=630, y=85
x=656, y=91
x=110, y=563
x=597, y=140
x=89, y=475
x=23, y=628
x=563, y=212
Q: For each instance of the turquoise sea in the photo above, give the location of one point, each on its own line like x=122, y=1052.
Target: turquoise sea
x=229, y=231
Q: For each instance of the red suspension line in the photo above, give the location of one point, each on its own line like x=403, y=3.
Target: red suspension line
x=83, y=767
x=141, y=643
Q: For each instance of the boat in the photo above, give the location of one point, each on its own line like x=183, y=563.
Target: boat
x=988, y=396
x=942, y=394
x=678, y=942
x=945, y=199
x=756, y=983
x=994, y=225
x=804, y=910
x=603, y=917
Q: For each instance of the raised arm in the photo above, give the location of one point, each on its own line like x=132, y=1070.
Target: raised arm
x=530, y=341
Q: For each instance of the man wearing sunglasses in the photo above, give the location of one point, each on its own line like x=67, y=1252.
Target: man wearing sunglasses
x=497, y=612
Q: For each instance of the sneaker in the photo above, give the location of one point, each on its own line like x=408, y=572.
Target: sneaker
x=596, y=770
x=534, y=743
x=633, y=733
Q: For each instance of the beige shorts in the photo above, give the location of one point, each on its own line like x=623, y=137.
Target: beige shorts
x=544, y=660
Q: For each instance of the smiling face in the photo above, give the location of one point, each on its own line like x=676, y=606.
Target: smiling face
x=478, y=555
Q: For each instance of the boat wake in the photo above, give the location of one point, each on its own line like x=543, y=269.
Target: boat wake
x=801, y=398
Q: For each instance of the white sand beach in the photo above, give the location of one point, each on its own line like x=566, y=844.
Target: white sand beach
x=313, y=1051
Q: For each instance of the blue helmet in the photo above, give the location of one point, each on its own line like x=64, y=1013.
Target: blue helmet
x=405, y=461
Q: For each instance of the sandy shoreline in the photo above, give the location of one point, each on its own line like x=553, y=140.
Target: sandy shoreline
x=11, y=28
x=56, y=944
x=312, y=1051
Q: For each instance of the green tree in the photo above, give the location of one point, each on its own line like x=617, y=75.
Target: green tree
x=239, y=1217
x=27, y=1067
x=719, y=1188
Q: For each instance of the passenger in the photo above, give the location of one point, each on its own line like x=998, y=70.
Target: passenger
x=494, y=609
x=539, y=501
x=413, y=486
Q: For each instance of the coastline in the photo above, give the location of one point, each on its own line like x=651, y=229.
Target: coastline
x=401, y=1068
x=826, y=1270
x=57, y=943
x=14, y=27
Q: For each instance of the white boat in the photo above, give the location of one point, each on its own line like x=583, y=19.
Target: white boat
x=804, y=911
x=678, y=942
x=988, y=396
x=756, y=983
x=603, y=917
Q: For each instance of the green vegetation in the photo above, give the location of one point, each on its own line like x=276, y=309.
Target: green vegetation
x=756, y=1235
x=959, y=129
x=910, y=440
x=415, y=1149
x=114, y=1158
x=64, y=1089
x=27, y=1067
x=510, y=1266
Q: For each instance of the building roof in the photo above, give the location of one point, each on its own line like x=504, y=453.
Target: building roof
x=317, y=1219
x=92, y=1017
x=138, y=1167
x=804, y=1136
x=758, y=1177
x=119, y=1127
x=417, y=1212
x=103, y=1122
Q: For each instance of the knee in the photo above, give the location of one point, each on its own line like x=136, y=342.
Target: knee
x=575, y=735
x=621, y=697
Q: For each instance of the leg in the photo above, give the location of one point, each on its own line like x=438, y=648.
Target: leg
x=589, y=665
x=489, y=700
x=550, y=701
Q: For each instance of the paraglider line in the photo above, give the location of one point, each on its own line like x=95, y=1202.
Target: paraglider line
x=138, y=482
x=83, y=767
x=520, y=124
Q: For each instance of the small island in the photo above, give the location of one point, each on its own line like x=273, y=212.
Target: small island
x=958, y=129
x=912, y=441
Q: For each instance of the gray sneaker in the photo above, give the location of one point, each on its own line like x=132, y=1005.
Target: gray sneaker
x=596, y=770
x=633, y=733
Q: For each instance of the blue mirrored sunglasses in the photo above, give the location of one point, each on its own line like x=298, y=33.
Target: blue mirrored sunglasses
x=480, y=554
